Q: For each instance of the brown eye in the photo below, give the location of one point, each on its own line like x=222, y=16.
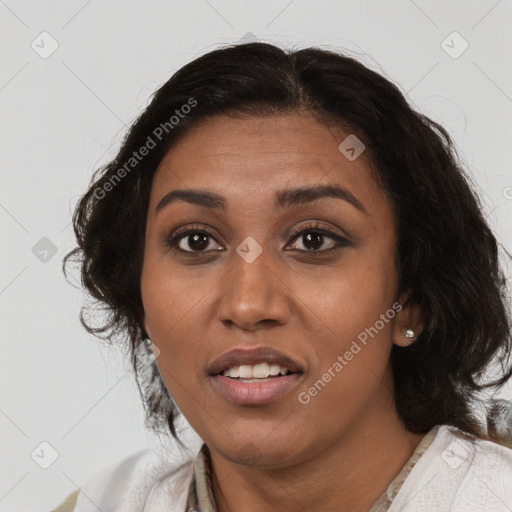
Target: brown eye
x=197, y=242
x=313, y=240
x=316, y=239
x=192, y=240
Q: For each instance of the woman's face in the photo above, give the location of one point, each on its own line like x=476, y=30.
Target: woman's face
x=240, y=279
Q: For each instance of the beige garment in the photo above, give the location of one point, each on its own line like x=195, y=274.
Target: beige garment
x=201, y=497
x=68, y=505
x=386, y=498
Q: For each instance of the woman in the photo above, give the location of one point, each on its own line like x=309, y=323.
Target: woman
x=300, y=267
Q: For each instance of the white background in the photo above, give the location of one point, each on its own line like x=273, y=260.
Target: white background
x=64, y=115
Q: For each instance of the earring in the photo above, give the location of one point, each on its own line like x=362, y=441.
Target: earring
x=409, y=336
x=148, y=345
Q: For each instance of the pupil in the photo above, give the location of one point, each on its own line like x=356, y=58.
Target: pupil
x=315, y=239
x=198, y=241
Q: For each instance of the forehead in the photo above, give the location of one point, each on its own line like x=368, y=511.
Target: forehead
x=254, y=156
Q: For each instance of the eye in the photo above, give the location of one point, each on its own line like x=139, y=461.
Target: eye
x=314, y=239
x=192, y=240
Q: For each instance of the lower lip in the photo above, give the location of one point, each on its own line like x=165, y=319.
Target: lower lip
x=255, y=393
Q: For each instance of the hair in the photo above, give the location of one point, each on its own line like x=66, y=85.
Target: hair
x=499, y=422
x=446, y=254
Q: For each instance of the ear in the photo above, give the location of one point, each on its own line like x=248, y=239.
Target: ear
x=407, y=325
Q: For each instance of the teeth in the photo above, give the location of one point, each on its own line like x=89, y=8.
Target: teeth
x=257, y=371
x=232, y=372
x=274, y=369
x=245, y=372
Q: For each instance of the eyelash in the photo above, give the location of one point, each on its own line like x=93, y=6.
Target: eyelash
x=173, y=240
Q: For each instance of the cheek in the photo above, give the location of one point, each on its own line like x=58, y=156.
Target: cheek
x=351, y=359
x=355, y=309
x=168, y=296
x=353, y=297
x=172, y=307
x=172, y=314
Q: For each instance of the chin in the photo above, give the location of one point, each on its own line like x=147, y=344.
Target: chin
x=258, y=449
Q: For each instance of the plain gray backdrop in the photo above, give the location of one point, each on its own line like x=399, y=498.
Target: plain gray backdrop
x=74, y=75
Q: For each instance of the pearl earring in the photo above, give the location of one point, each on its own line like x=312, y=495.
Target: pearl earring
x=409, y=334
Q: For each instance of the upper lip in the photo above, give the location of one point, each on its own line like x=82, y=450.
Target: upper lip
x=239, y=357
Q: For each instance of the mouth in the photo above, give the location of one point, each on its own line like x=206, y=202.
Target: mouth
x=262, y=362
x=254, y=377
x=256, y=373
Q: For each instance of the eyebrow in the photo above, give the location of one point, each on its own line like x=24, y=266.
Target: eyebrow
x=283, y=198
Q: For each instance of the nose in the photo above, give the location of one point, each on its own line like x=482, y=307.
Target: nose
x=253, y=295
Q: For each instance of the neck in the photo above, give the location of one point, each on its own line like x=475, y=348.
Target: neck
x=353, y=472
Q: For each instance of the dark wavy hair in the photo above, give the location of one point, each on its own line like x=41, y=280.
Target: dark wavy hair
x=447, y=256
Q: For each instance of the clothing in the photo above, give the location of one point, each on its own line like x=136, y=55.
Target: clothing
x=201, y=498
x=448, y=471
x=68, y=505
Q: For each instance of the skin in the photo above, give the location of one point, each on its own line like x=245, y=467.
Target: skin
x=348, y=443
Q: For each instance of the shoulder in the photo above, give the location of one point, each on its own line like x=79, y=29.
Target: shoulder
x=460, y=473
x=147, y=476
